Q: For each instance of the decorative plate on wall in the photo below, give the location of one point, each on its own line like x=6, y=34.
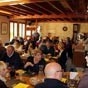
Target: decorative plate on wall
x=65, y=28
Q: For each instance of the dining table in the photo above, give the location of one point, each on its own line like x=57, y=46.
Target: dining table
x=34, y=79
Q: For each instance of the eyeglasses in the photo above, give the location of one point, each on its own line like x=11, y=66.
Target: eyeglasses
x=60, y=70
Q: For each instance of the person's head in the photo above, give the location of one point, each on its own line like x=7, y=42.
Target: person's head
x=53, y=70
x=3, y=69
x=10, y=50
x=48, y=43
x=37, y=54
x=36, y=36
x=61, y=46
x=17, y=42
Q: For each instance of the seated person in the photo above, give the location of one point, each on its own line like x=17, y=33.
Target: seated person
x=32, y=64
x=18, y=46
x=30, y=50
x=3, y=72
x=83, y=82
x=53, y=75
x=12, y=58
x=47, y=48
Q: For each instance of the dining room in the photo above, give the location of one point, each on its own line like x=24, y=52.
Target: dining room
x=53, y=19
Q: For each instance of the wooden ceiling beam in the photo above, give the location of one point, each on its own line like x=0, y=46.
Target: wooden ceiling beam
x=15, y=12
x=83, y=6
x=43, y=8
x=55, y=7
x=49, y=16
x=66, y=5
x=22, y=10
x=32, y=9
x=11, y=2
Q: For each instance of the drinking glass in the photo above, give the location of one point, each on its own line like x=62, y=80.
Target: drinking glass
x=41, y=67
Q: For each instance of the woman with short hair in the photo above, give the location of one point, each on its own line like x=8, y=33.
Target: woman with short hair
x=33, y=62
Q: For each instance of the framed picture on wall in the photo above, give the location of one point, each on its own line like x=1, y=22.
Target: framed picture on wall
x=4, y=28
x=76, y=27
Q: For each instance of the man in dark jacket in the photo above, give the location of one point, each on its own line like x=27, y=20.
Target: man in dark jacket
x=12, y=58
x=53, y=75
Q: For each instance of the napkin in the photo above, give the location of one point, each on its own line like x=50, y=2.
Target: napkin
x=21, y=85
x=64, y=80
x=73, y=75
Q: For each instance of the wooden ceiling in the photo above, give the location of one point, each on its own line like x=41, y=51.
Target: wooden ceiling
x=46, y=10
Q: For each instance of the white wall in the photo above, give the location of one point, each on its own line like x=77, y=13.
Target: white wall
x=57, y=28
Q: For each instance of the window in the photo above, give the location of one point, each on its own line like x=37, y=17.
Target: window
x=21, y=30
x=17, y=31
x=13, y=31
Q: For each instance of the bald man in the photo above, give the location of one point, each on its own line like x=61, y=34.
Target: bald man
x=53, y=75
